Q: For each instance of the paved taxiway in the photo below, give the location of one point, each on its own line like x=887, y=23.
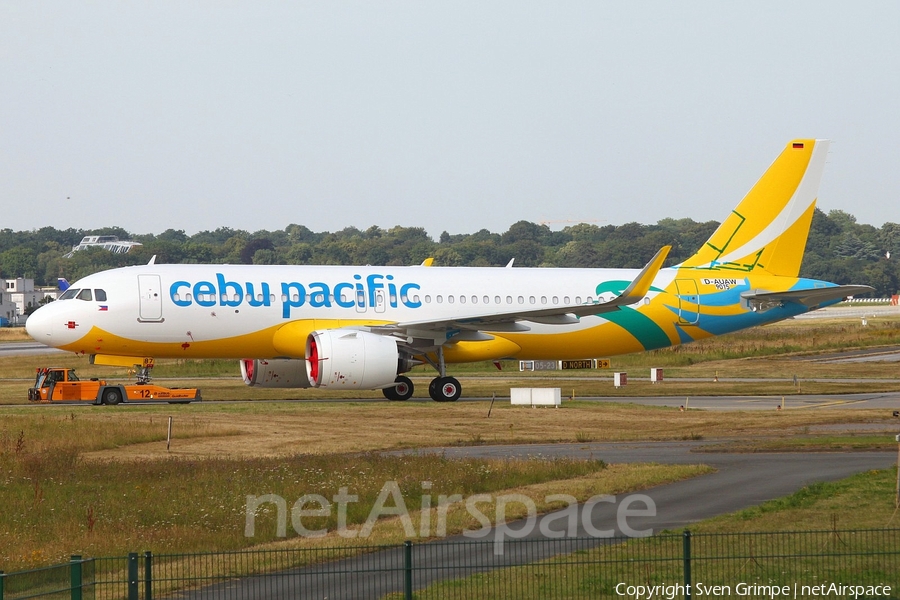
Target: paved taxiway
x=741, y=481
x=25, y=349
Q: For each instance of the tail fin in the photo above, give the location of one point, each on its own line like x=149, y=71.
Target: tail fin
x=768, y=229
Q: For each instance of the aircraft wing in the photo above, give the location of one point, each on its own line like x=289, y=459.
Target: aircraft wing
x=558, y=315
x=761, y=300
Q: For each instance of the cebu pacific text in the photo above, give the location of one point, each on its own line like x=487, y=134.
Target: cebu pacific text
x=359, y=293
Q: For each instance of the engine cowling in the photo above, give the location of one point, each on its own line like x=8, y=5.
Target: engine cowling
x=275, y=373
x=349, y=359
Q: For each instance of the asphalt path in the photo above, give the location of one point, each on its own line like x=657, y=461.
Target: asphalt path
x=25, y=349
x=740, y=481
x=873, y=400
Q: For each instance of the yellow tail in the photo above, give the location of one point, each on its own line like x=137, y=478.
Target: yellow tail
x=768, y=229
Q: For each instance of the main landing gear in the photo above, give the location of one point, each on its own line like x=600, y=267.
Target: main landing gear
x=403, y=390
x=441, y=389
x=444, y=389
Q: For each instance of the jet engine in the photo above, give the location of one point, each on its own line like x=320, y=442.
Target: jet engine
x=350, y=359
x=275, y=373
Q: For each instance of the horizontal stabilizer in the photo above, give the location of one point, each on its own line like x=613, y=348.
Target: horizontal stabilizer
x=762, y=301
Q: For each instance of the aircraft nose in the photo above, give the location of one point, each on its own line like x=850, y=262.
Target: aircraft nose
x=38, y=326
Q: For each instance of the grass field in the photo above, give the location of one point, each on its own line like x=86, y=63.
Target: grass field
x=100, y=480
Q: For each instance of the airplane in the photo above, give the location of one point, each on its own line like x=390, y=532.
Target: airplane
x=363, y=327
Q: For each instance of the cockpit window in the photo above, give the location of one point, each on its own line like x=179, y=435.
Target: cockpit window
x=85, y=295
x=70, y=293
x=100, y=295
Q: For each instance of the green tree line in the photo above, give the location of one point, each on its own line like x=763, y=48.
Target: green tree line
x=839, y=249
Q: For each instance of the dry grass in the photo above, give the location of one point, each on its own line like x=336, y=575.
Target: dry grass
x=55, y=507
x=14, y=334
x=282, y=429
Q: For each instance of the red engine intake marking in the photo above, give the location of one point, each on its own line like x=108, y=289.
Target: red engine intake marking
x=313, y=359
x=248, y=368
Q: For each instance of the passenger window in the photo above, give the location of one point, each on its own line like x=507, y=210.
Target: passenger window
x=450, y=299
x=439, y=299
x=427, y=299
x=509, y=299
x=521, y=300
x=100, y=295
x=85, y=295
x=462, y=299
x=496, y=299
x=543, y=299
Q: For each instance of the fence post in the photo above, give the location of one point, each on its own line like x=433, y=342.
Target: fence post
x=407, y=570
x=75, y=576
x=132, y=576
x=687, y=564
x=148, y=576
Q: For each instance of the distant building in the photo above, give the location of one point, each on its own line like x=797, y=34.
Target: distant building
x=107, y=242
x=19, y=295
x=8, y=309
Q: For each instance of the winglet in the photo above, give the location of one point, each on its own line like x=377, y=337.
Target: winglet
x=635, y=292
x=427, y=262
x=641, y=284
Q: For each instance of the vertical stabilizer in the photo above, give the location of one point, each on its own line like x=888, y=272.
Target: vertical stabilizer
x=768, y=229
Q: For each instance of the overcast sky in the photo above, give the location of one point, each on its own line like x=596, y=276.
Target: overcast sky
x=450, y=116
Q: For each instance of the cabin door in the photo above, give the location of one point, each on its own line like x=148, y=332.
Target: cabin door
x=151, y=298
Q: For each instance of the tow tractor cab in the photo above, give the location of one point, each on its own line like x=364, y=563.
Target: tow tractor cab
x=56, y=384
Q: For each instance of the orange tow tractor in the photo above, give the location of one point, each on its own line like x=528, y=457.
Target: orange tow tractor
x=62, y=385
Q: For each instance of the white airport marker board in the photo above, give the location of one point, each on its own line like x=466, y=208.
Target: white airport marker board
x=535, y=396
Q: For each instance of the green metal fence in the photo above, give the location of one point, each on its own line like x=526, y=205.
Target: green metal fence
x=685, y=565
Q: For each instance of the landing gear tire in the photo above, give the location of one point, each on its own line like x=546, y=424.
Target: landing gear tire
x=111, y=397
x=444, y=389
x=402, y=391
